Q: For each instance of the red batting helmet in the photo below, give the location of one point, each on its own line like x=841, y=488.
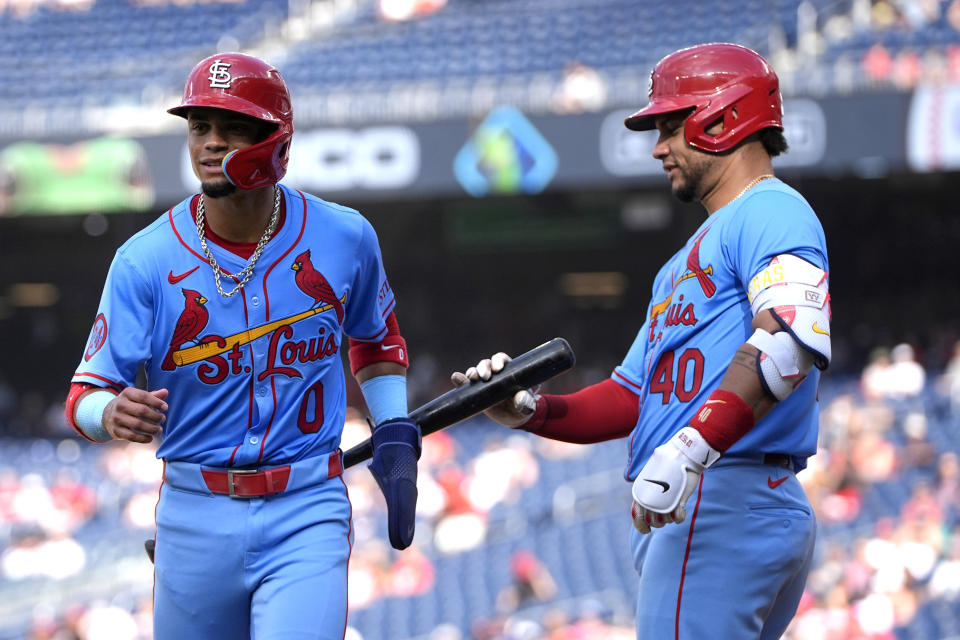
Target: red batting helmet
x=244, y=84
x=717, y=81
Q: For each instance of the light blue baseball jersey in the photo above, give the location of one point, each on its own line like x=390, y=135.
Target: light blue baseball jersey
x=256, y=378
x=699, y=316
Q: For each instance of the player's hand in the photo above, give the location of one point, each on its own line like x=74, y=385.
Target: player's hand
x=512, y=412
x=665, y=483
x=396, y=449
x=136, y=415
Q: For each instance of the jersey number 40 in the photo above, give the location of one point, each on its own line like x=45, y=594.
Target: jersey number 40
x=683, y=381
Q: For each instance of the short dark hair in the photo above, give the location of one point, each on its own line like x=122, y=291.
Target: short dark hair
x=773, y=141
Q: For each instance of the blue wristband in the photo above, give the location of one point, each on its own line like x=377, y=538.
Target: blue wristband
x=386, y=397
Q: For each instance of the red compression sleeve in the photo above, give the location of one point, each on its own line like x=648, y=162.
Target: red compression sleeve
x=393, y=348
x=603, y=411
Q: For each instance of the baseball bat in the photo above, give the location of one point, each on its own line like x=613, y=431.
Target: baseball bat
x=527, y=370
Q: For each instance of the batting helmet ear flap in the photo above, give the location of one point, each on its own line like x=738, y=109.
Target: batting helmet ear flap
x=259, y=165
x=720, y=109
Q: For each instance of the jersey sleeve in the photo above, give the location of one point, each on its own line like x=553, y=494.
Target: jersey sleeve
x=631, y=372
x=768, y=224
x=371, y=299
x=120, y=340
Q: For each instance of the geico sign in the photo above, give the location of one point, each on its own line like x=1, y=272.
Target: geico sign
x=340, y=159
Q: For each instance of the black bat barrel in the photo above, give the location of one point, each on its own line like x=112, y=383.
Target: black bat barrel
x=526, y=370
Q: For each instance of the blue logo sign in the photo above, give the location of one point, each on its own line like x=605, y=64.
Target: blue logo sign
x=505, y=155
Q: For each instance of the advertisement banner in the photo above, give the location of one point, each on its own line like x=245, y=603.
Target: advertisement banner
x=100, y=175
x=505, y=152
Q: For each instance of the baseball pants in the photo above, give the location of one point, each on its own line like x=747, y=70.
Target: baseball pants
x=271, y=568
x=736, y=567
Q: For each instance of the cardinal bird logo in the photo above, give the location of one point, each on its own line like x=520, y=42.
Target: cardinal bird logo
x=189, y=325
x=693, y=264
x=312, y=283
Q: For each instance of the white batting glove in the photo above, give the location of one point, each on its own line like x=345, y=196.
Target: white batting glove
x=665, y=483
x=512, y=412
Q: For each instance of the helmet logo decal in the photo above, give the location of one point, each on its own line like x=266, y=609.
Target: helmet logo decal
x=219, y=75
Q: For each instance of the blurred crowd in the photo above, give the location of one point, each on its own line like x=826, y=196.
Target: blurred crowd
x=886, y=488
x=906, y=68
x=26, y=8
x=879, y=43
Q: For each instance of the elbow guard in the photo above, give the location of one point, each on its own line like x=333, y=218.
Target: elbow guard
x=796, y=293
x=782, y=363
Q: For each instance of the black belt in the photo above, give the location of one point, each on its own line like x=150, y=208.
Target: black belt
x=778, y=460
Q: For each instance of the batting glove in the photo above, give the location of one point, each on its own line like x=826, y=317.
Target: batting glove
x=396, y=449
x=665, y=483
x=512, y=412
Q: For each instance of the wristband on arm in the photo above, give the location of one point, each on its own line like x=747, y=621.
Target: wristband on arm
x=89, y=415
x=386, y=397
x=723, y=419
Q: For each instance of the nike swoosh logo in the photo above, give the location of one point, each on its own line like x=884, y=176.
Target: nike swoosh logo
x=705, y=459
x=715, y=402
x=817, y=329
x=664, y=485
x=172, y=279
x=773, y=484
x=385, y=347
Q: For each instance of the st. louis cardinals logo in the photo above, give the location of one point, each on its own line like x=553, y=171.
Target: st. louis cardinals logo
x=312, y=283
x=693, y=264
x=98, y=336
x=220, y=77
x=282, y=352
x=191, y=322
x=679, y=313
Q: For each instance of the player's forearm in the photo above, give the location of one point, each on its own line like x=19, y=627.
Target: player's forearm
x=742, y=379
x=380, y=369
x=741, y=400
x=600, y=412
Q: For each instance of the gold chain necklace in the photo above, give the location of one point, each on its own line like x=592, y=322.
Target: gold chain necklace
x=752, y=184
x=247, y=273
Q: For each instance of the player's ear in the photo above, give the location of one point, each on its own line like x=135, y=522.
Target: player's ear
x=716, y=127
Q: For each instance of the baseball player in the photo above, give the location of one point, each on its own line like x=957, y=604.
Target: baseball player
x=236, y=302
x=718, y=393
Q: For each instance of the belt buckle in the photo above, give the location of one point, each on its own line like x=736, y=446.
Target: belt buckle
x=232, y=472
